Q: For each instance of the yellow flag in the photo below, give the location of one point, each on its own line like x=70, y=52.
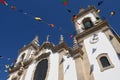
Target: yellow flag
x=38, y=18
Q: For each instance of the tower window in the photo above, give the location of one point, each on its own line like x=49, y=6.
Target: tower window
x=104, y=61
x=87, y=23
x=41, y=70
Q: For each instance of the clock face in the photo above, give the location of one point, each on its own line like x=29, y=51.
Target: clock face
x=94, y=39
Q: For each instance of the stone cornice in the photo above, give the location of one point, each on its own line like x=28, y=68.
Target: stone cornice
x=103, y=25
x=44, y=55
x=61, y=46
x=84, y=12
x=27, y=46
x=77, y=53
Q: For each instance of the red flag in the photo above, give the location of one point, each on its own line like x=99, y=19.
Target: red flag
x=13, y=7
x=3, y=2
x=65, y=3
x=51, y=25
x=71, y=35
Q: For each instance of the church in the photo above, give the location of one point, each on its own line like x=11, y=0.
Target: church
x=95, y=54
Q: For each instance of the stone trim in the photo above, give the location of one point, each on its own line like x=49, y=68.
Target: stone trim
x=85, y=12
x=25, y=71
x=79, y=68
x=27, y=46
x=86, y=64
x=62, y=45
x=60, y=73
x=114, y=41
x=47, y=45
x=43, y=56
x=101, y=26
x=100, y=64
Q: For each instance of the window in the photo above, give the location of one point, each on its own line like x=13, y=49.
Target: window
x=104, y=61
x=87, y=23
x=41, y=70
x=22, y=56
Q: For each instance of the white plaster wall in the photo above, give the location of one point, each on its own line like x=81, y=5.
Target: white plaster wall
x=54, y=66
x=69, y=71
x=103, y=46
x=30, y=71
x=78, y=23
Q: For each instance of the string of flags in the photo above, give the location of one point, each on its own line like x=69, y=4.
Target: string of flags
x=39, y=19
x=64, y=2
x=4, y=65
x=25, y=13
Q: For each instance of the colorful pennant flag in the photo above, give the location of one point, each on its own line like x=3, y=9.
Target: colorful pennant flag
x=65, y=2
x=13, y=7
x=51, y=25
x=3, y=2
x=112, y=13
x=100, y=2
x=38, y=18
x=69, y=10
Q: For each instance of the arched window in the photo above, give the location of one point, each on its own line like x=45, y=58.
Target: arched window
x=22, y=56
x=87, y=23
x=104, y=61
x=41, y=70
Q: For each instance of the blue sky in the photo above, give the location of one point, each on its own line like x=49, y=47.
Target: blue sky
x=18, y=29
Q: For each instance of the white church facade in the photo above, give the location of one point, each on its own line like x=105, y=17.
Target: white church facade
x=95, y=54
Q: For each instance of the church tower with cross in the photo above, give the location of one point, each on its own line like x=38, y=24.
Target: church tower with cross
x=95, y=54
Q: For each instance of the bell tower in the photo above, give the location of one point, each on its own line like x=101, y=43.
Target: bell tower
x=100, y=44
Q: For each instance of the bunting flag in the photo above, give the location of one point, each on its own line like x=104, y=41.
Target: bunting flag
x=5, y=70
x=112, y=13
x=100, y=2
x=38, y=18
x=98, y=10
x=74, y=17
x=0, y=56
x=6, y=66
x=71, y=35
x=65, y=2
x=69, y=10
x=3, y=2
x=13, y=7
x=51, y=25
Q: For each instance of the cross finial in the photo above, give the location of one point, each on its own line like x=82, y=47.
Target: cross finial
x=75, y=45
x=61, y=39
x=47, y=38
x=81, y=10
x=36, y=40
